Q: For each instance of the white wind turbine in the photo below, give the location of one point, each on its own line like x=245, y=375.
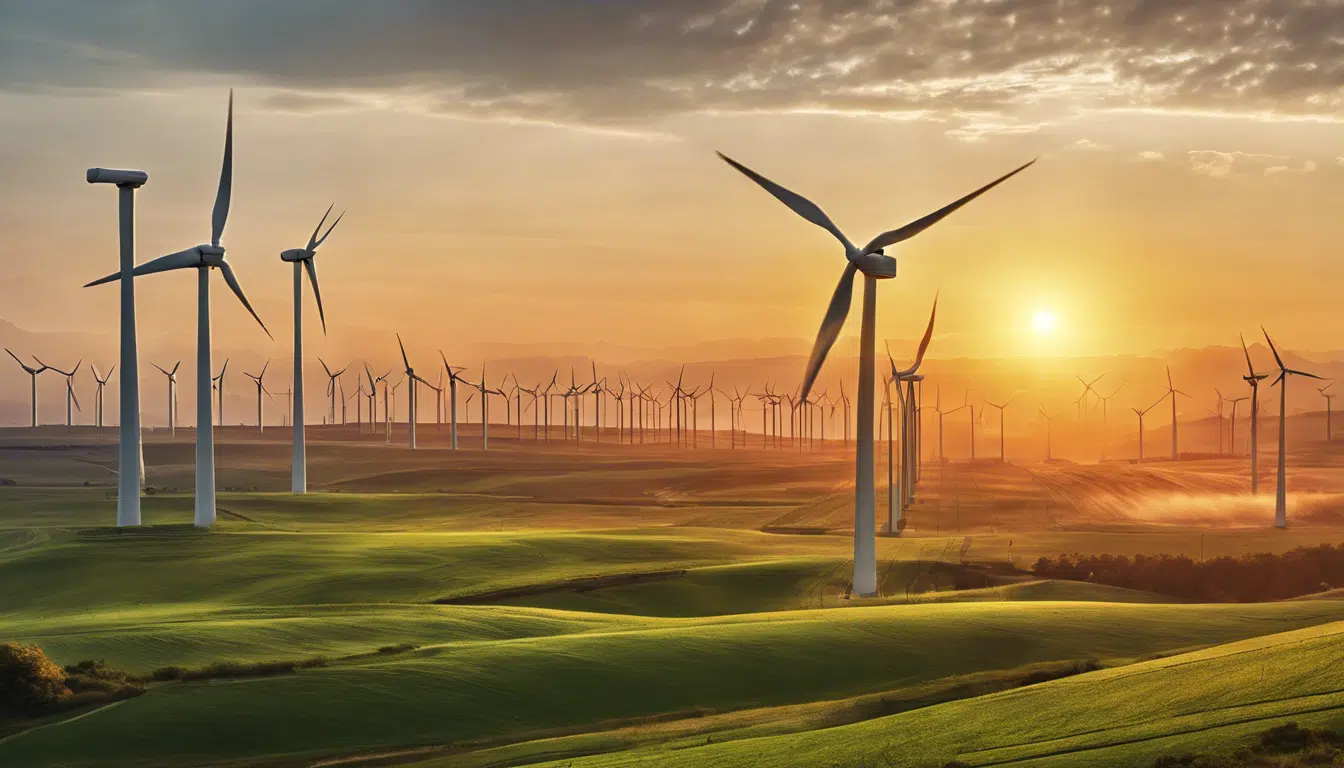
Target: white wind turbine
x=414, y=391
x=897, y=489
x=453, y=378
x=219, y=382
x=33, y=373
x=875, y=265
x=302, y=259
x=102, y=382
x=172, y=395
x=130, y=448
x=259, y=380
x=331, y=388
x=70, y=397
x=1281, y=492
x=1253, y=379
x=204, y=258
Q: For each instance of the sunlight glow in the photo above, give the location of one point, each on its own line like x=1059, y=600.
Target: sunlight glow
x=1043, y=322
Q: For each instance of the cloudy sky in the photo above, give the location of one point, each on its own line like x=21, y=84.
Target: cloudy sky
x=543, y=171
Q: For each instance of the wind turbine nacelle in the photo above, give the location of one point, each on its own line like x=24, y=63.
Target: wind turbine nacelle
x=294, y=254
x=120, y=178
x=877, y=264
x=211, y=255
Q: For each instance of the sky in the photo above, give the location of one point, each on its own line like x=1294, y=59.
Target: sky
x=543, y=172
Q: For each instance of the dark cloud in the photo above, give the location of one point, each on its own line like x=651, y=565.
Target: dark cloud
x=622, y=60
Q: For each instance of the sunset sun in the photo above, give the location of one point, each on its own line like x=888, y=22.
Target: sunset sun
x=1044, y=322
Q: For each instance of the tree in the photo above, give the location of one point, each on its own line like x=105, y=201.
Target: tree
x=30, y=683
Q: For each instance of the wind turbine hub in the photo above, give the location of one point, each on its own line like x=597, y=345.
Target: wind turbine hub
x=295, y=254
x=876, y=264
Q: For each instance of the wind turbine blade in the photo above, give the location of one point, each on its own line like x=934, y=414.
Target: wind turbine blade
x=1169, y=384
x=403, y=352
x=262, y=375
x=1277, y=359
x=312, y=241
x=238, y=291
x=180, y=260
x=17, y=360
x=831, y=325
x=324, y=237
x=323, y=363
x=796, y=202
x=311, y=269
x=221, y=212
x=919, y=225
x=175, y=367
x=70, y=387
x=1303, y=373
x=928, y=336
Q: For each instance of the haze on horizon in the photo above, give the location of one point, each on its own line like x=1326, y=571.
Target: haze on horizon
x=541, y=172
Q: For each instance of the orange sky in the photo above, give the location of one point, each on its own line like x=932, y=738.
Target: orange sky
x=1150, y=223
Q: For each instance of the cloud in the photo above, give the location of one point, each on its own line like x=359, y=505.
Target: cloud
x=1087, y=145
x=1219, y=165
x=1305, y=167
x=1149, y=156
x=611, y=62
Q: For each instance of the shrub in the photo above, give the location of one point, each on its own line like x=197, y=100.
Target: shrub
x=30, y=683
x=398, y=648
x=225, y=669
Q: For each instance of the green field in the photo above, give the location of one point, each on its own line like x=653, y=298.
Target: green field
x=668, y=609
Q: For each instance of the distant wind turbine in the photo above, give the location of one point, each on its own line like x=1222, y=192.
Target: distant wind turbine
x=1002, y=407
x=33, y=373
x=204, y=258
x=102, y=382
x=220, y=381
x=1329, y=432
x=261, y=390
x=1281, y=492
x=1172, y=392
x=172, y=395
x=414, y=391
x=70, y=398
x=873, y=262
x=303, y=260
x=1141, y=414
x=1048, y=418
x=898, y=490
x=1253, y=379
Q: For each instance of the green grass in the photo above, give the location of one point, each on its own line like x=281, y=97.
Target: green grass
x=140, y=640
x=1208, y=701
x=165, y=566
x=514, y=688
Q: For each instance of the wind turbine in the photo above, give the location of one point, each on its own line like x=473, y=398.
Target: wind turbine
x=1001, y=408
x=303, y=259
x=413, y=391
x=261, y=389
x=1219, y=415
x=1329, y=433
x=130, y=452
x=70, y=397
x=1141, y=414
x=1232, y=423
x=1048, y=418
x=1172, y=392
x=897, y=493
x=32, y=377
x=453, y=378
x=331, y=387
x=220, y=380
x=102, y=382
x=1281, y=492
x=1253, y=379
x=203, y=258
x=875, y=264
x=172, y=395
x=1087, y=389
x=1105, y=436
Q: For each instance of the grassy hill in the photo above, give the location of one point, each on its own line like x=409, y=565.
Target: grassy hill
x=1208, y=701
x=512, y=689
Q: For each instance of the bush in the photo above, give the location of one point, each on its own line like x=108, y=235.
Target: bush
x=30, y=683
x=399, y=648
x=226, y=669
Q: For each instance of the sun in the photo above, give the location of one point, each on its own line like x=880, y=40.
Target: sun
x=1044, y=322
